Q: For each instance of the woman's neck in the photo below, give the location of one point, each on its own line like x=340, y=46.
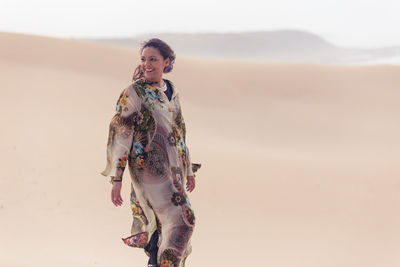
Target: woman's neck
x=158, y=83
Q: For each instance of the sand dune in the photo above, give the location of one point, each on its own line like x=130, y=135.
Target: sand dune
x=273, y=46
x=300, y=161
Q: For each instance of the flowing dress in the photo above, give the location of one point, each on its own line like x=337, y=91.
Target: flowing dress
x=148, y=134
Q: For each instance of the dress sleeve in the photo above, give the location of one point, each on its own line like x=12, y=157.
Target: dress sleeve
x=120, y=136
x=191, y=167
x=189, y=163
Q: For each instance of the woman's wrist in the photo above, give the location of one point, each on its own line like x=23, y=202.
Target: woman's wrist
x=113, y=179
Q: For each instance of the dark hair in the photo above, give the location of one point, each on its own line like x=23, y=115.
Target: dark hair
x=164, y=49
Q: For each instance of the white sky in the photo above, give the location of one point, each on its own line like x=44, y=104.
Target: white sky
x=361, y=23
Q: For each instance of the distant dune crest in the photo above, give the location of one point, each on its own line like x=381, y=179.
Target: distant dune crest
x=282, y=45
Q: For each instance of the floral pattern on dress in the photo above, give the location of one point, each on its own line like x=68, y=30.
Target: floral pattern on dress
x=150, y=94
x=121, y=127
x=181, y=147
x=177, y=178
x=139, y=240
x=138, y=148
x=180, y=123
x=178, y=199
x=121, y=166
x=168, y=258
x=122, y=100
x=141, y=162
x=144, y=126
x=137, y=210
x=188, y=202
x=179, y=130
x=171, y=139
x=158, y=161
x=188, y=213
x=195, y=167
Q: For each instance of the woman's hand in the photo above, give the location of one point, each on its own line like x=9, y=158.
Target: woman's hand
x=190, y=183
x=116, y=194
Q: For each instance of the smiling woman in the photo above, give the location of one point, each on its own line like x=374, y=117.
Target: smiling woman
x=156, y=58
x=148, y=133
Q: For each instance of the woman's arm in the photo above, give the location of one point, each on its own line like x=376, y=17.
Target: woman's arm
x=189, y=163
x=181, y=123
x=120, y=134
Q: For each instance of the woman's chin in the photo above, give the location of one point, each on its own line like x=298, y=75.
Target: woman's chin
x=150, y=78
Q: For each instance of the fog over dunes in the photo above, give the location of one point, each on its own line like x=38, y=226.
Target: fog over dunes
x=282, y=45
x=300, y=161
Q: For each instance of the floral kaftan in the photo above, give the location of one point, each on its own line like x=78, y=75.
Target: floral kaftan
x=148, y=133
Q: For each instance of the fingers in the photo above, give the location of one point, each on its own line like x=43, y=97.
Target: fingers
x=190, y=185
x=193, y=184
x=190, y=189
x=116, y=197
x=119, y=200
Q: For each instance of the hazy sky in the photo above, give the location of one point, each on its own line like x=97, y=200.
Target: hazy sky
x=362, y=23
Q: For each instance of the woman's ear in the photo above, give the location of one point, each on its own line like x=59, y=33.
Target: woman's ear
x=167, y=61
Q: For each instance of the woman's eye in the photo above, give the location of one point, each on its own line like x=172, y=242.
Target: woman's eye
x=152, y=59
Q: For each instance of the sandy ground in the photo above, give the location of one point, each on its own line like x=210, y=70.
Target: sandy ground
x=300, y=162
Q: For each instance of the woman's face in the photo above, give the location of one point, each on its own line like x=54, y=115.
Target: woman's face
x=153, y=63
